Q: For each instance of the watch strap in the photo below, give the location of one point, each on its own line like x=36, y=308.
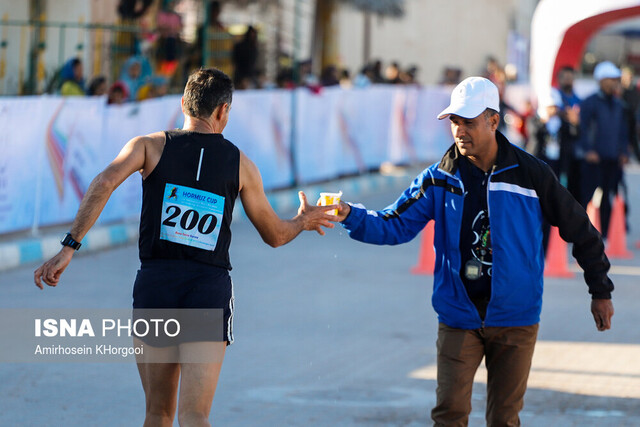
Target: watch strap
x=67, y=240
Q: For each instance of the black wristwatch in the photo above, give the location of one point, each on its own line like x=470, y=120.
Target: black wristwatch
x=67, y=240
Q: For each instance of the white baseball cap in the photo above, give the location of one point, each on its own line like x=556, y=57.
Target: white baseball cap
x=606, y=70
x=471, y=97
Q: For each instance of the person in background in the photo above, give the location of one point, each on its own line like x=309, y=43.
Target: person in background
x=555, y=133
x=604, y=141
x=306, y=75
x=219, y=44
x=552, y=140
x=72, y=78
x=97, y=86
x=377, y=72
x=131, y=13
x=412, y=75
x=245, y=58
x=118, y=94
x=329, y=76
x=364, y=78
x=345, y=79
x=135, y=73
x=451, y=76
x=566, y=77
x=169, y=25
x=392, y=73
x=570, y=101
x=631, y=98
x=157, y=87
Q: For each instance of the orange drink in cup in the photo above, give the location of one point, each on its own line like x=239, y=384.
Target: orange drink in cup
x=327, y=199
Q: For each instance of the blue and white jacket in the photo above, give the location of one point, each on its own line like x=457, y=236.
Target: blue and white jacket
x=522, y=192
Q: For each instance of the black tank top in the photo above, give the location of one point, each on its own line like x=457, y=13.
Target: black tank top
x=188, y=199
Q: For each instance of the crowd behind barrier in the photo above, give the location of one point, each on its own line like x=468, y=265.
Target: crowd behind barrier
x=52, y=147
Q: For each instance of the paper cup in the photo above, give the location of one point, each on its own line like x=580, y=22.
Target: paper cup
x=327, y=199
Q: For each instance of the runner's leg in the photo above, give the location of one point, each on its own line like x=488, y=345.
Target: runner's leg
x=198, y=382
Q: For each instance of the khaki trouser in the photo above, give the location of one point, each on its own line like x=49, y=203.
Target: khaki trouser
x=508, y=352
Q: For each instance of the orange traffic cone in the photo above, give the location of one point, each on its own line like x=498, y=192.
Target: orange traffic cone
x=594, y=215
x=617, y=244
x=427, y=256
x=557, y=261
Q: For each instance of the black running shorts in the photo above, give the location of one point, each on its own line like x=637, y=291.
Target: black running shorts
x=185, y=284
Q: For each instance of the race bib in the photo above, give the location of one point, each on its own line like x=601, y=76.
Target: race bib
x=191, y=217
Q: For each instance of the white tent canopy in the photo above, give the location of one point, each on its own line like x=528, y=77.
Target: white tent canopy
x=560, y=31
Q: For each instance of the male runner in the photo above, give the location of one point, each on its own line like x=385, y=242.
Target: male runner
x=191, y=178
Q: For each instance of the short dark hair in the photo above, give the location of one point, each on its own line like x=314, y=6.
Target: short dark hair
x=206, y=89
x=95, y=83
x=490, y=112
x=566, y=69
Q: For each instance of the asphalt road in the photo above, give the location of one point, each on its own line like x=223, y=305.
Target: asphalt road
x=331, y=332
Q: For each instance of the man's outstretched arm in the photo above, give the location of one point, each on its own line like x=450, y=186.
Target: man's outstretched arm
x=130, y=159
x=274, y=230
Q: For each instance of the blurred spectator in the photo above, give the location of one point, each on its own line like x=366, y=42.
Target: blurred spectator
x=631, y=98
x=245, y=58
x=377, y=72
x=554, y=133
x=345, y=79
x=133, y=9
x=364, y=78
x=264, y=82
x=565, y=77
x=219, y=44
x=169, y=25
x=329, y=76
x=157, y=87
x=552, y=139
x=392, y=73
x=604, y=142
x=97, y=86
x=135, y=73
x=570, y=101
x=451, y=76
x=307, y=77
x=126, y=42
x=492, y=68
x=72, y=78
x=118, y=94
x=500, y=80
x=412, y=75
x=284, y=79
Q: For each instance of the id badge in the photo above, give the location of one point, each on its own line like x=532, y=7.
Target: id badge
x=473, y=269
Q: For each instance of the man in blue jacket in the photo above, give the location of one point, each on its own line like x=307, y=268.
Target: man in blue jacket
x=489, y=200
x=604, y=142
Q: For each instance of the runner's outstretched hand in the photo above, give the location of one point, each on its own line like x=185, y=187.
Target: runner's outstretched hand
x=314, y=217
x=50, y=271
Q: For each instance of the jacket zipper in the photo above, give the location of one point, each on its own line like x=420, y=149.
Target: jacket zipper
x=486, y=314
x=459, y=227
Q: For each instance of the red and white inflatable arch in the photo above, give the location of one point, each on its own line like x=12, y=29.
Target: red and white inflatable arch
x=561, y=29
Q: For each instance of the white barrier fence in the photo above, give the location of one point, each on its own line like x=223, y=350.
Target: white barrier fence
x=51, y=147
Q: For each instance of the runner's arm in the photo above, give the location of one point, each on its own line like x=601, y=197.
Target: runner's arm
x=130, y=159
x=274, y=230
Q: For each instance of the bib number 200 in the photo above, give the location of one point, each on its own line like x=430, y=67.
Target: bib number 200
x=190, y=219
